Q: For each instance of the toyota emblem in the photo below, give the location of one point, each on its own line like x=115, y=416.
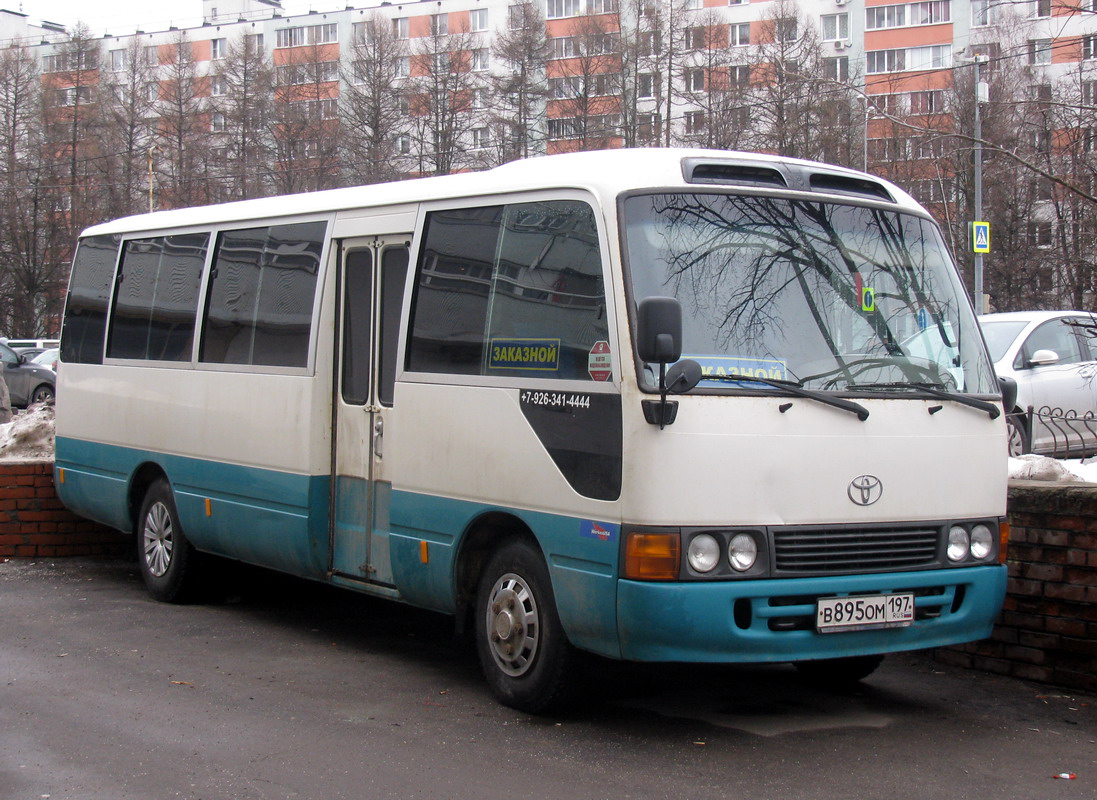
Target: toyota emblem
x=864, y=490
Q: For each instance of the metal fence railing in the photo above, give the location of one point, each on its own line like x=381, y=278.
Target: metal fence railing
x=1054, y=432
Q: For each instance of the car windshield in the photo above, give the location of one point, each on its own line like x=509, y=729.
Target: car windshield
x=828, y=296
x=1000, y=334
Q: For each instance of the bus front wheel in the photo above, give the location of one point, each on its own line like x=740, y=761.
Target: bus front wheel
x=521, y=644
x=166, y=559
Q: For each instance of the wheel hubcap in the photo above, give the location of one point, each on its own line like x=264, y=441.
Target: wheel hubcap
x=158, y=539
x=513, y=625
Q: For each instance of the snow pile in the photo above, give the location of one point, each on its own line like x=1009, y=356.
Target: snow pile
x=28, y=435
x=1042, y=468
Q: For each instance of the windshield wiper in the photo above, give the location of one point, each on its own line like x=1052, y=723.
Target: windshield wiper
x=796, y=389
x=991, y=409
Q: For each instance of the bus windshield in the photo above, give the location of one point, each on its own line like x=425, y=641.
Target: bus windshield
x=828, y=296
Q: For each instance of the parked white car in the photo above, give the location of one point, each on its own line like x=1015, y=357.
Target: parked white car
x=1053, y=357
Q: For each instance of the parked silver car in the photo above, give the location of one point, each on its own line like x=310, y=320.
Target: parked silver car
x=1053, y=357
x=27, y=382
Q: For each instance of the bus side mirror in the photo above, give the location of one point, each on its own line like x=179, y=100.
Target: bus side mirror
x=659, y=341
x=659, y=330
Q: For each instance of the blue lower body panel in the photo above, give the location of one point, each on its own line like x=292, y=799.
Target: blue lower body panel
x=774, y=620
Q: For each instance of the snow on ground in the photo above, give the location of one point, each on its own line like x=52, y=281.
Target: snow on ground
x=1042, y=468
x=28, y=435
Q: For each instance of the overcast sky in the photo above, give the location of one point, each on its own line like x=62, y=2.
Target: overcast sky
x=126, y=16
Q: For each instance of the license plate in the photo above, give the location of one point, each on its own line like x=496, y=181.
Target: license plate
x=864, y=612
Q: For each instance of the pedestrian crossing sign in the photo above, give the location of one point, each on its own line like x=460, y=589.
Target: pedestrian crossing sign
x=980, y=237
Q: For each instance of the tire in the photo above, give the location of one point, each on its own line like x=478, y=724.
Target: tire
x=167, y=561
x=1018, y=436
x=524, y=653
x=839, y=671
x=42, y=394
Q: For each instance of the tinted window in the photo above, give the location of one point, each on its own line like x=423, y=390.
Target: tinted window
x=394, y=271
x=156, y=298
x=259, y=309
x=89, y=294
x=509, y=291
x=357, y=325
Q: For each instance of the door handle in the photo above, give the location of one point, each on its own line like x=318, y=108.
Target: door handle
x=378, y=436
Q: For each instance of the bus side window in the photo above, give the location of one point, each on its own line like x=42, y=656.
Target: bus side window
x=259, y=308
x=357, y=325
x=89, y=294
x=156, y=298
x=394, y=271
x=512, y=291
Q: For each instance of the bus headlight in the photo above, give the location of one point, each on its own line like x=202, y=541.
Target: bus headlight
x=742, y=551
x=982, y=542
x=959, y=543
x=703, y=553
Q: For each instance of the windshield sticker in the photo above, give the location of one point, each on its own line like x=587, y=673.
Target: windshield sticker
x=602, y=531
x=542, y=355
x=730, y=366
x=600, y=362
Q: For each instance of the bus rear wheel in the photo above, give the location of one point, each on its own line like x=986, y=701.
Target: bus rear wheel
x=166, y=559
x=521, y=644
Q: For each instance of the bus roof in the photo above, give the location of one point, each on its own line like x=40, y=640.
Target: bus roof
x=604, y=172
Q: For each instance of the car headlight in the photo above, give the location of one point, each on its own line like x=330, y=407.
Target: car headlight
x=742, y=551
x=982, y=542
x=703, y=553
x=959, y=543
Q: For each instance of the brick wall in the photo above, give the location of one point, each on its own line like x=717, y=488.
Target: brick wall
x=1048, y=628
x=34, y=524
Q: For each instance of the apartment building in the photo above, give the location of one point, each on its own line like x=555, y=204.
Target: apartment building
x=374, y=91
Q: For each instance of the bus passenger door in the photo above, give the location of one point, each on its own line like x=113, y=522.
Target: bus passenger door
x=373, y=273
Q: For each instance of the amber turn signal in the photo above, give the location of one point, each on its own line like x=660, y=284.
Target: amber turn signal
x=1003, y=541
x=652, y=556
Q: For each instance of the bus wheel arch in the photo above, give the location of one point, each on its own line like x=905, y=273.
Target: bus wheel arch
x=521, y=644
x=169, y=564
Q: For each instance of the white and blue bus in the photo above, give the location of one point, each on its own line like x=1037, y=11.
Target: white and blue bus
x=656, y=405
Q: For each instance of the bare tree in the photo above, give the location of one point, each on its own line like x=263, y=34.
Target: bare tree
x=184, y=128
x=243, y=96
x=307, y=133
x=129, y=98
x=372, y=109
x=519, y=86
x=585, y=104
x=440, y=93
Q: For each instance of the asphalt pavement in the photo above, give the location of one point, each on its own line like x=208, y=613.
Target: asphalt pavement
x=286, y=689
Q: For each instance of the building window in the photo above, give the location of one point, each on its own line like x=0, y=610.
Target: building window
x=118, y=60
x=885, y=17
x=786, y=30
x=695, y=80
x=559, y=9
x=983, y=12
x=217, y=49
x=217, y=122
x=645, y=86
x=480, y=59
x=481, y=138
x=649, y=127
x=400, y=27
x=925, y=102
x=1039, y=51
x=1089, y=47
x=1040, y=8
x=564, y=47
x=402, y=67
x=479, y=98
x=835, y=26
x=836, y=69
x=478, y=19
x=439, y=24
x=695, y=38
x=603, y=6
x=403, y=144
x=739, y=76
x=695, y=121
x=739, y=35
x=216, y=86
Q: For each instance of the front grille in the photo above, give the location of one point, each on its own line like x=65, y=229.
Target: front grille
x=834, y=550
